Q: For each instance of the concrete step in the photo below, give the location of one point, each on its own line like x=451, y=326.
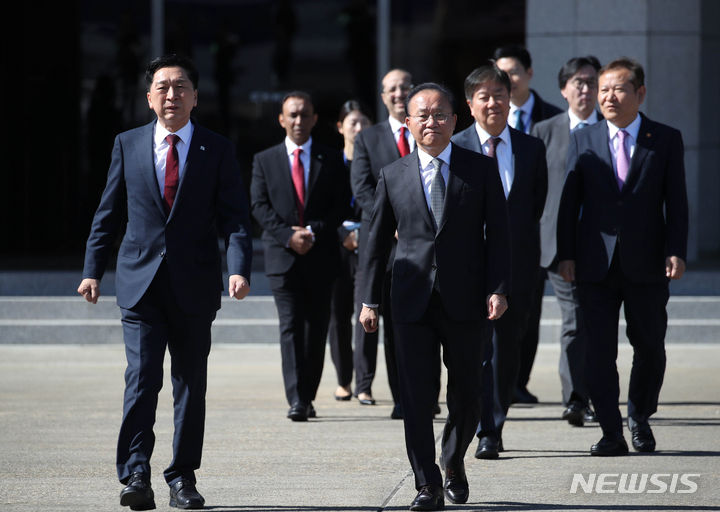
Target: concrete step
x=254, y=320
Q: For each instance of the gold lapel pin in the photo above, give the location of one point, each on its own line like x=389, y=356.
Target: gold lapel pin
x=648, y=135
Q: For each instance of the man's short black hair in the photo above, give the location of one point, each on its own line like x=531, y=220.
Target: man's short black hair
x=487, y=73
x=637, y=74
x=573, y=66
x=515, y=52
x=297, y=94
x=430, y=86
x=170, y=61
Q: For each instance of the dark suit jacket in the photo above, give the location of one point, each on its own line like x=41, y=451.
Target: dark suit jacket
x=555, y=133
x=525, y=202
x=374, y=149
x=469, y=253
x=542, y=110
x=210, y=202
x=327, y=204
x=648, y=218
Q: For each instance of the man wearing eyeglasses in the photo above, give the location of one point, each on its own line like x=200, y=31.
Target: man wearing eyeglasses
x=520, y=162
x=578, y=85
x=376, y=147
x=451, y=264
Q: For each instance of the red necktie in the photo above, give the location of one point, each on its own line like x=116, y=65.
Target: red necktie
x=172, y=173
x=402, y=142
x=298, y=177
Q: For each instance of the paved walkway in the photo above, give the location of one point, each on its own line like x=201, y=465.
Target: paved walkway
x=60, y=409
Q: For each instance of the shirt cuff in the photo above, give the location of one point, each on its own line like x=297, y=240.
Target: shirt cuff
x=371, y=306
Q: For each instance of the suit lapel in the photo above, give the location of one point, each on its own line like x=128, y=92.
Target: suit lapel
x=603, y=150
x=452, y=190
x=469, y=139
x=519, y=161
x=563, y=131
x=416, y=189
x=316, y=162
x=193, y=164
x=279, y=167
x=393, y=153
x=145, y=161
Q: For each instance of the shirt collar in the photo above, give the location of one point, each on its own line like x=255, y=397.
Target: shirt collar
x=425, y=158
x=185, y=133
x=395, y=125
x=484, y=136
x=632, y=129
x=525, y=107
x=575, y=120
x=290, y=146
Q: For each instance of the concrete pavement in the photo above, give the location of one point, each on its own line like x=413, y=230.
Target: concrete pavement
x=60, y=408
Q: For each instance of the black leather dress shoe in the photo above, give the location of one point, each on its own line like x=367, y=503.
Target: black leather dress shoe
x=456, y=485
x=488, y=447
x=311, y=412
x=298, y=412
x=608, y=447
x=183, y=494
x=137, y=494
x=523, y=396
x=575, y=413
x=430, y=497
x=396, y=413
x=589, y=416
x=642, y=436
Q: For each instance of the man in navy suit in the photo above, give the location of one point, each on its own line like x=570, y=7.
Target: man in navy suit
x=300, y=195
x=527, y=108
x=451, y=263
x=578, y=85
x=622, y=233
x=520, y=161
x=175, y=187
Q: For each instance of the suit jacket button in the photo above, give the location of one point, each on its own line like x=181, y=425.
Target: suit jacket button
x=162, y=254
x=433, y=266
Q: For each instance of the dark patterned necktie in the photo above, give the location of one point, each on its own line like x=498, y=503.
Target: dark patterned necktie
x=437, y=192
x=492, y=146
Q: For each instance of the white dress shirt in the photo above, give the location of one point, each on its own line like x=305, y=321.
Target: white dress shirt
x=630, y=139
x=395, y=126
x=160, y=150
x=427, y=170
x=503, y=154
x=526, y=109
x=290, y=147
x=575, y=120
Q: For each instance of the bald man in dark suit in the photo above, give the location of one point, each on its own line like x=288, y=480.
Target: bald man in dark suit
x=447, y=206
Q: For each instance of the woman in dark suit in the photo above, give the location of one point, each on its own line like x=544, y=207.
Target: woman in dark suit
x=351, y=121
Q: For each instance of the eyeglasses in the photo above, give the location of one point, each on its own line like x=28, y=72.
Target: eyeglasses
x=440, y=117
x=579, y=83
